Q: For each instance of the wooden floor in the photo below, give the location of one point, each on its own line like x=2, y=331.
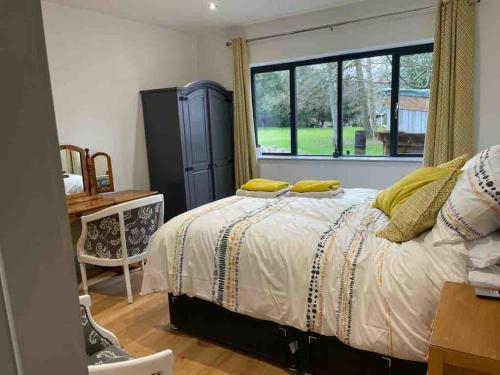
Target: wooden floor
x=142, y=329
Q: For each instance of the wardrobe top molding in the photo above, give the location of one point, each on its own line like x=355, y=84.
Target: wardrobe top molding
x=193, y=86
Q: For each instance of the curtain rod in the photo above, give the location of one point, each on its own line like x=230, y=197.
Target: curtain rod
x=332, y=25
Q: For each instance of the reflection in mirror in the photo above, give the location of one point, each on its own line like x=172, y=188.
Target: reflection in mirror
x=72, y=169
x=103, y=172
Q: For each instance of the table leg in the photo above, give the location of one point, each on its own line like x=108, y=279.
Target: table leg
x=435, y=362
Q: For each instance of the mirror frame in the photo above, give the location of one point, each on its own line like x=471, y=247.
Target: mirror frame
x=94, y=174
x=85, y=175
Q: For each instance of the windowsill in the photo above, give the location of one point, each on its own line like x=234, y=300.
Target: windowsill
x=400, y=159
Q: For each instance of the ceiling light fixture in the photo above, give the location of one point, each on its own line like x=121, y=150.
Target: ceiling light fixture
x=212, y=6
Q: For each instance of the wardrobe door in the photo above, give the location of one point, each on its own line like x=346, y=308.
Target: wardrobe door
x=221, y=133
x=197, y=148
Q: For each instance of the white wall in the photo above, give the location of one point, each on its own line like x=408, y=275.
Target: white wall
x=217, y=61
x=353, y=173
x=376, y=34
x=487, y=80
x=387, y=32
x=98, y=64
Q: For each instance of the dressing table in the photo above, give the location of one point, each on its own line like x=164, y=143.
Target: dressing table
x=78, y=208
x=88, y=182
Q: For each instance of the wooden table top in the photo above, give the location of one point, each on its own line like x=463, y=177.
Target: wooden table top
x=85, y=205
x=465, y=323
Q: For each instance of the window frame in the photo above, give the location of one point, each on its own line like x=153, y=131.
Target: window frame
x=396, y=53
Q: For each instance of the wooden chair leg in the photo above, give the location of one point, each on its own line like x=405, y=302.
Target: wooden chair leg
x=127, y=282
x=83, y=272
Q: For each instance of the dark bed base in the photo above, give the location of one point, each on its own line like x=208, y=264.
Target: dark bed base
x=305, y=352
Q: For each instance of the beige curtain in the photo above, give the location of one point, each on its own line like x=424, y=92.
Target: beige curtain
x=450, y=126
x=245, y=165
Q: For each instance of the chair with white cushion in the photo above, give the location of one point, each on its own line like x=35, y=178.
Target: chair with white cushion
x=119, y=236
x=105, y=356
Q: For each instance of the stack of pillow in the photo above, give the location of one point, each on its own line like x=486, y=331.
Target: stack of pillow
x=413, y=202
x=315, y=189
x=263, y=188
x=462, y=206
x=471, y=217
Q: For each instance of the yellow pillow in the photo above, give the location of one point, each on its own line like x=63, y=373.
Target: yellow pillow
x=261, y=184
x=420, y=211
x=394, y=196
x=307, y=186
x=456, y=163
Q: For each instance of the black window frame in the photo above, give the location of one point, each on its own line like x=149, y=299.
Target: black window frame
x=396, y=53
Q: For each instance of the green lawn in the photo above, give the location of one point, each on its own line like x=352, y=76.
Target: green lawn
x=313, y=141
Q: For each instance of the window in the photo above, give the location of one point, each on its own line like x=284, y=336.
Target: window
x=272, y=111
x=316, y=112
x=364, y=104
x=366, y=88
x=413, y=102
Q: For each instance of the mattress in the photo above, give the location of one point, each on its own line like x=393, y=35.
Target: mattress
x=314, y=264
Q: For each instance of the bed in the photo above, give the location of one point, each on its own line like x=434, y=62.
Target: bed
x=73, y=184
x=312, y=269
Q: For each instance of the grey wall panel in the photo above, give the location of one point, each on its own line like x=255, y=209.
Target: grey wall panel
x=34, y=230
x=7, y=333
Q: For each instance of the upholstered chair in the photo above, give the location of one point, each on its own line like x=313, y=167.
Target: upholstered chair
x=105, y=356
x=119, y=236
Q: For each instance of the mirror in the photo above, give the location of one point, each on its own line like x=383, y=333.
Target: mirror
x=74, y=171
x=103, y=172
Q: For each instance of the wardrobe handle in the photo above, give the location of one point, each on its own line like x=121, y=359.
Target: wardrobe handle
x=188, y=169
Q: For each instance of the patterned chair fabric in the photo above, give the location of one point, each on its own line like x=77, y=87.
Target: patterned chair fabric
x=103, y=235
x=103, y=238
x=111, y=354
x=94, y=341
x=140, y=224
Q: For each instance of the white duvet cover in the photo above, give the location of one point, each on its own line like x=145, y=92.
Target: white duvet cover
x=314, y=264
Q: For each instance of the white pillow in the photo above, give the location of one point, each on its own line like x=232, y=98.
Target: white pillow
x=484, y=252
x=473, y=209
x=486, y=278
x=471, y=162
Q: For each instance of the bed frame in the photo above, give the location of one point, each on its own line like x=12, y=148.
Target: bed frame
x=305, y=352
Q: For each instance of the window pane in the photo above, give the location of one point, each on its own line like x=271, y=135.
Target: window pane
x=272, y=111
x=366, y=106
x=316, y=109
x=414, y=91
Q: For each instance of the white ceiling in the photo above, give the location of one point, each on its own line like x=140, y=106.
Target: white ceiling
x=194, y=15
